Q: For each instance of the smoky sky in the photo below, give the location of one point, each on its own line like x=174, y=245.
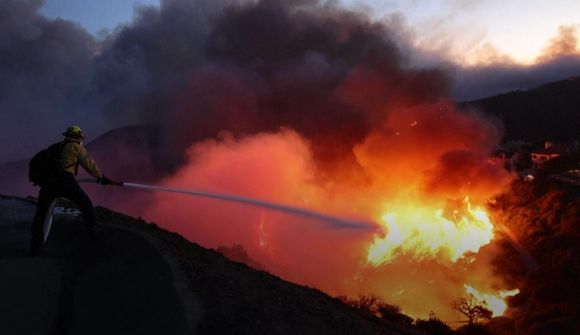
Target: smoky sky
x=559, y=59
x=484, y=81
x=43, y=69
x=196, y=68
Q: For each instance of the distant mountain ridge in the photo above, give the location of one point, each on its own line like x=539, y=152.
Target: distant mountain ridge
x=548, y=112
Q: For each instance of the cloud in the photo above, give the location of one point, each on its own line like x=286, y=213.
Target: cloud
x=43, y=76
x=482, y=81
x=565, y=43
x=559, y=60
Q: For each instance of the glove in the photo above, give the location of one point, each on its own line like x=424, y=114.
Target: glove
x=105, y=181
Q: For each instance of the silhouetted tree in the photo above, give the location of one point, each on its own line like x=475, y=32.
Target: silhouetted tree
x=469, y=307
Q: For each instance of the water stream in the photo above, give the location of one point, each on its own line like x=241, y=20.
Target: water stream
x=334, y=221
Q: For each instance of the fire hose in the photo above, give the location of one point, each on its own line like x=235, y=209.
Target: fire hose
x=337, y=222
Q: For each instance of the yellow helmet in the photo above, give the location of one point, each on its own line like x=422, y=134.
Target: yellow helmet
x=74, y=131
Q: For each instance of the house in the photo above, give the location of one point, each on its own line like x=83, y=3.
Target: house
x=549, y=152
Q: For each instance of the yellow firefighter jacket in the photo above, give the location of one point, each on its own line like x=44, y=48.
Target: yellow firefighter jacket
x=73, y=154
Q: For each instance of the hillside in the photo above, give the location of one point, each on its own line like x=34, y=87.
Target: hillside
x=545, y=215
x=140, y=279
x=551, y=111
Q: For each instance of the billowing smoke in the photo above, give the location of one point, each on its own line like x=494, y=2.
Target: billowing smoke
x=53, y=73
x=44, y=71
x=328, y=74
x=565, y=43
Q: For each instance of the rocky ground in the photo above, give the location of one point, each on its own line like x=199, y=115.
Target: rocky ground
x=140, y=279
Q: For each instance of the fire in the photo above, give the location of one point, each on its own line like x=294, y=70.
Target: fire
x=494, y=302
x=413, y=184
x=426, y=233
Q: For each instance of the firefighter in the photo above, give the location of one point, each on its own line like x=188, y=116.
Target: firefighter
x=65, y=185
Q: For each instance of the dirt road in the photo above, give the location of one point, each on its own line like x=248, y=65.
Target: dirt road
x=120, y=284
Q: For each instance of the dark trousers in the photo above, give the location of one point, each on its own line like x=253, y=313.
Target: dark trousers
x=64, y=187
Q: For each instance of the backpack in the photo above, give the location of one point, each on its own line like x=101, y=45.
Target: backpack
x=46, y=165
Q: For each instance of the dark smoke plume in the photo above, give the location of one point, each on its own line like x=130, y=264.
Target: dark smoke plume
x=44, y=70
x=256, y=67
x=201, y=67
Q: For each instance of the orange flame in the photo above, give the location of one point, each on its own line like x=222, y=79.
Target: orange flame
x=494, y=302
x=426, y=232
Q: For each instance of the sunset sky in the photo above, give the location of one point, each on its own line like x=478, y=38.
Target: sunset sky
x=465, y=31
